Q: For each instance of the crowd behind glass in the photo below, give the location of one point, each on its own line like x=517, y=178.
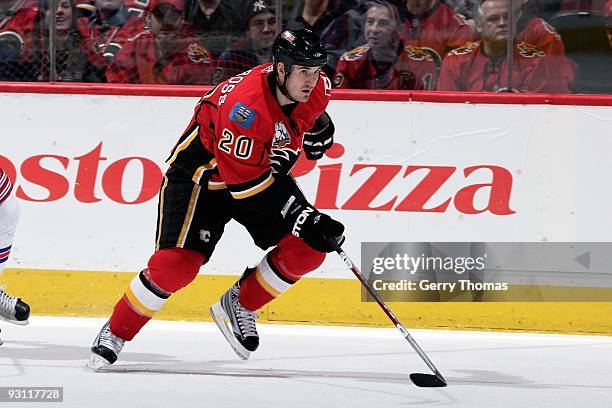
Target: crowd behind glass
x=558, y=46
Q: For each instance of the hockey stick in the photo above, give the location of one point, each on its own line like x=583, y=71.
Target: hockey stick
x=419, y=379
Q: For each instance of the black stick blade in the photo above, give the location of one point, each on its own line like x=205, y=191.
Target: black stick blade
x=427, y=380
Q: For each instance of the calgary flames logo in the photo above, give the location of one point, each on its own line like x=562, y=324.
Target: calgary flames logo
x=465, y=48
x=418, y=54
x=529, y=51
x=355, y=53
x=197, y=53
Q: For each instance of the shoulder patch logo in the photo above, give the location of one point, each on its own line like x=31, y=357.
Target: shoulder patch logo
x=355, y=53
x=417, y=53
x=281, y=136
x=242, y=115
x=198, y=53
x=464, y=49
x=529, y=51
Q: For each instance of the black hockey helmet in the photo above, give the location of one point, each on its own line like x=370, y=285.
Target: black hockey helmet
x=298, y=47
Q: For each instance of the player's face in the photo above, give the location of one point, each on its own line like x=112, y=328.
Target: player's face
x=302, y=81
x=262, y=30
x=379, y=28
x=609, y=30
x=63, y=16
x=418, y=6
x=109, y=4
x=494, y=23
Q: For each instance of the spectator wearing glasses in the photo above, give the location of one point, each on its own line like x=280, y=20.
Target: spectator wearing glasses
x=382, y=62
x=167, y=53
x=482, y=65
x=256, y=47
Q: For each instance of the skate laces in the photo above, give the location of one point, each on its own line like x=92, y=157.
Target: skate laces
x=109, y=340
x=7, y=302
x=244, y=317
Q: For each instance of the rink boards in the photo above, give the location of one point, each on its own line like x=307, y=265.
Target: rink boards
x=88, y=167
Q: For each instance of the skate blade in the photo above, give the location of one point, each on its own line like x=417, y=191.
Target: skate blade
x=97, y=362
x=17, y=322
x=221, y=320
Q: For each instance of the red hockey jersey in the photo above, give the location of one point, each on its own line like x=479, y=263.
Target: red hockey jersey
x=239, y=137
x=357, y=70
x=437, y=31
x=139, y=62
x=5, y=186
x=468, y=69
x=16, y=28
x=102, y=41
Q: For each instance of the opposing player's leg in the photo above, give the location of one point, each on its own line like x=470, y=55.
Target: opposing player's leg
x=191, y=220
x=12, y=309
x=276, y=273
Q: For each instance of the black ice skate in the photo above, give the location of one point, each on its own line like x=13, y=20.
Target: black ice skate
x=105, y=349
x=13, y=310
x=236, y=323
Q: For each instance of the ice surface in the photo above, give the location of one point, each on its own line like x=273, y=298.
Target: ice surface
x=177, y=364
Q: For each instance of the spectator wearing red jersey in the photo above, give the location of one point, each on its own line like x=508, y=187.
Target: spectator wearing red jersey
x=435, y=28
x=106, y=31
x=167, y=53
x=482, y=65
x=382, y=62
x=256, y=47
x=17, y=19
x=71, y=64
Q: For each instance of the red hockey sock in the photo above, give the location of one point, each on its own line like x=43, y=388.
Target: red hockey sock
x=277, y=271
x=168, y=271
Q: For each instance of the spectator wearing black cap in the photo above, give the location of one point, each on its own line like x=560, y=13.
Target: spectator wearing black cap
x=256, y=47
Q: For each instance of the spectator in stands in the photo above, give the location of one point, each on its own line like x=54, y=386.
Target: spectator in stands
x=17, y=20
x=167, y=53
x=106, y=30
x=71, y=64
x=435, y=28
x=135, y=8
x=382, y=62
x=317, y=14
x=216, y=22
x=481, y=65
x=537, y=32
x=608, y=19
x=256, y=47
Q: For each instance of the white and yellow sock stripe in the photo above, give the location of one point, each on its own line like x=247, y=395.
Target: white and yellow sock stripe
x=145, y=298
x=270, y=279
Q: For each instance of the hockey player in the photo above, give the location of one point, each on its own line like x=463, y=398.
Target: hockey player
x=12, y=309
x=233, y=162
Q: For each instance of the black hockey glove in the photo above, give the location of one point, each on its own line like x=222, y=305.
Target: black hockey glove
x=320, y=138
x=314, y=227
